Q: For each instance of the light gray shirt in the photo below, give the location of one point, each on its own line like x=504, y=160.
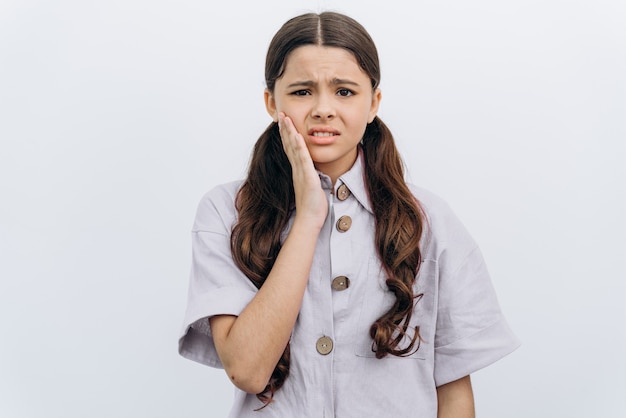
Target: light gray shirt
x=334, y=372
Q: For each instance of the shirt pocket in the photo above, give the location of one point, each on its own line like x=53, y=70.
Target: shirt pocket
x=377, y=300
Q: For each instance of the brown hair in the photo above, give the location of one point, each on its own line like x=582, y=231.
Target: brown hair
x=266, y=198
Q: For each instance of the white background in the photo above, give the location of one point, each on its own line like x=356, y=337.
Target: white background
x=116, y=116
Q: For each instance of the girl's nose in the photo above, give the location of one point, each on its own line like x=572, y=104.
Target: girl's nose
x=323, y=108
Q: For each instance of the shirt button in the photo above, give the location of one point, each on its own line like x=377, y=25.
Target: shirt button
x=344, y=223
x=324, y=345
x=343, y=192
x=340, y=283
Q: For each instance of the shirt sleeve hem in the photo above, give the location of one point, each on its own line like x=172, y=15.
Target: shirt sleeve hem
x=196, y=342
x=468, y=355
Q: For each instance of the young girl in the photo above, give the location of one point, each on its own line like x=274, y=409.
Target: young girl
x=324, y=284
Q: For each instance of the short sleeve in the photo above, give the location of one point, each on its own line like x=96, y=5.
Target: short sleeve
x=470, y=329
x=216, y=285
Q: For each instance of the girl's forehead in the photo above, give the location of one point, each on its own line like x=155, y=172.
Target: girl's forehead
x=320, y=52
x=312, y=58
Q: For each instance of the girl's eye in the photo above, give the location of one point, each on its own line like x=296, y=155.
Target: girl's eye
x=301, y=93
x=345, y=92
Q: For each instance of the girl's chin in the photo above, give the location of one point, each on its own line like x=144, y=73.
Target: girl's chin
x=331, y=162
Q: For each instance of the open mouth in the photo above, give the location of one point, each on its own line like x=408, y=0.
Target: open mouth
x=323, y=132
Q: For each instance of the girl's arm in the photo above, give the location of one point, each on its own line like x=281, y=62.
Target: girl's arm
x=250, y=345
x=456, y=399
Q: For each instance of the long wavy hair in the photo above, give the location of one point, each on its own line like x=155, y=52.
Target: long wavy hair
x=266, y=198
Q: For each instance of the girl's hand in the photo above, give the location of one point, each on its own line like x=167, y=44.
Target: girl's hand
x=311, y=201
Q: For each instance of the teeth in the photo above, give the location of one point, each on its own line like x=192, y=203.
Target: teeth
x=323, y=134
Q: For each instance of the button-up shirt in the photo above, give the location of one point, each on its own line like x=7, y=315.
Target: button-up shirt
x=334, y=372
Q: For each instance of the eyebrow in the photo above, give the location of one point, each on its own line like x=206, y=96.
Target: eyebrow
x=335, y=81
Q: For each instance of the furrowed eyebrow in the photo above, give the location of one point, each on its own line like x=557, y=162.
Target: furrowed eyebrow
x=302, y=84
x=310, y=83
x=337, y=81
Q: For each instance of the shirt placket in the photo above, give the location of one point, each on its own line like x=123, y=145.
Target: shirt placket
x=341, y=265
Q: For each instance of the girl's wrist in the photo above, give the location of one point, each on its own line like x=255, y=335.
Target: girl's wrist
x=307, y=225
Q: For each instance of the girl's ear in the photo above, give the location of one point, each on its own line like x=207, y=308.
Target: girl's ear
x=376, y=97
x=270, y=105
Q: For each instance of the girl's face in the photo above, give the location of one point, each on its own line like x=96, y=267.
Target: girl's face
x=330, y=101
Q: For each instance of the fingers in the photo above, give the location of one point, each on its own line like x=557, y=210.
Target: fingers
x=297, y=152
x=311, y=200
x=288, y=132
x=293, y=142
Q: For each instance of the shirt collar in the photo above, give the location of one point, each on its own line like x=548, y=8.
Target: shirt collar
x=354, y=179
